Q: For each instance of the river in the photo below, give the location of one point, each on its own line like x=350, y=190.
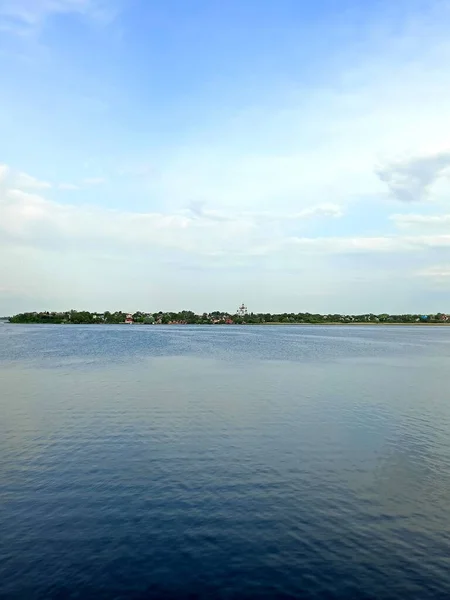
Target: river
x=224, y=462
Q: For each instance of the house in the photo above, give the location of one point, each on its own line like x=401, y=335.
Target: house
x=129, y=319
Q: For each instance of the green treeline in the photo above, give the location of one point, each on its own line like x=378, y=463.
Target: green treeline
x=216, y=317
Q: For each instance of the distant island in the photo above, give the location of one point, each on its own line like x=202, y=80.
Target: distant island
x=241, y=317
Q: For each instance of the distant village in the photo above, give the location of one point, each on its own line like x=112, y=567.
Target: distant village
x=242, y=316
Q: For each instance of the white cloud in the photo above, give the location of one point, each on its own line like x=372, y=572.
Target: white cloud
x=71, y=255
x=425, y=222
x=32, y=219
x=27, y=218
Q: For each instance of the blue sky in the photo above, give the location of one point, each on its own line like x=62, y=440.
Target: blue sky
x=195, y=154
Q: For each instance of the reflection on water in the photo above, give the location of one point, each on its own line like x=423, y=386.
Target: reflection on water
x=225, y=462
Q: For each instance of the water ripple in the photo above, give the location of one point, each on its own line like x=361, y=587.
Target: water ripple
x=264, y=462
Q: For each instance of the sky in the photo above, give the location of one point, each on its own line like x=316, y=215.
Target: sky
x=197, y=154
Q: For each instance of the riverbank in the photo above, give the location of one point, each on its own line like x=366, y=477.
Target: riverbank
x=364, y=324
x=269, y=323
x=242, y=317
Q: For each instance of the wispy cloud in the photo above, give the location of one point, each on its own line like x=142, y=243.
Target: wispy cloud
x=23, y=180
x=13, y=179
x=199, y=209
x=411, y=180
x=28, y=16
x=422, y=221
x=32, y=219
x=142, y=169
x=369, y=244
x=16, y=179
x=93, y=181
x=438, y=275
x=68, y=186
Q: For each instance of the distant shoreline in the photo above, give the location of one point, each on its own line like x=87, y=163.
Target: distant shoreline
x=375, y=324
x=241, y=317
x=270, y=323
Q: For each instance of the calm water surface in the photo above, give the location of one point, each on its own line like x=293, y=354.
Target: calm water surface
x=224, y=462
